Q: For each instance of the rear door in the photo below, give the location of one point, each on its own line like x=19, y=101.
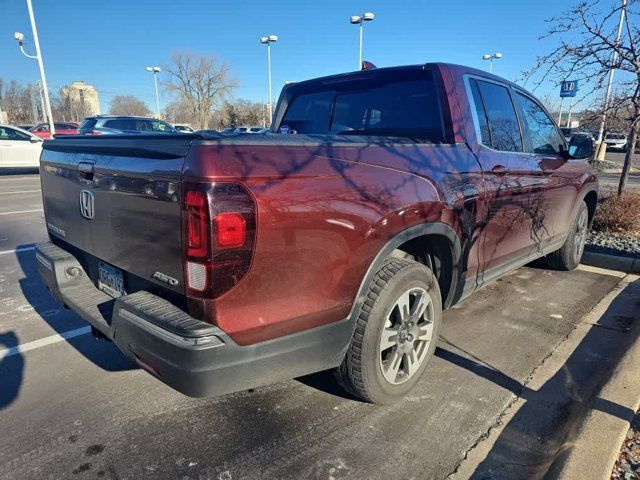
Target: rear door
x=515, y=223
x=116, y=201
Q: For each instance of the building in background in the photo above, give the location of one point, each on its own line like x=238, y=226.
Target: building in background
x=82, y=100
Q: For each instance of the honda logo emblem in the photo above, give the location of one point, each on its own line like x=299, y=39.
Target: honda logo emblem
x=86, y=204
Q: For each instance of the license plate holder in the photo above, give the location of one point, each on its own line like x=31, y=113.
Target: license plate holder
x=110, y=280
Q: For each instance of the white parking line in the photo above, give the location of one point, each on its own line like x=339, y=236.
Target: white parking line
x=17, y=250
x=43, y=342
x=22, y=211
x=11, y=179
x=20, y=191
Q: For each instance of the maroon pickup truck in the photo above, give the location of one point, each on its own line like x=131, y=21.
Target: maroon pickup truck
x=219, y=263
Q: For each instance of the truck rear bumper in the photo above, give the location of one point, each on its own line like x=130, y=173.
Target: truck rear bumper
x=193, y=357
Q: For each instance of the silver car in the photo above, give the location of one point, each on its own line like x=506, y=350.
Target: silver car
x=123, y=125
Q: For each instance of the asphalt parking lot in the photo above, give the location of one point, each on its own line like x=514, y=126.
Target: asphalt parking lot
x=74, y=407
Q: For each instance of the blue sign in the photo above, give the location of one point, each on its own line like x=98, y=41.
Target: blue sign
x=569, y=88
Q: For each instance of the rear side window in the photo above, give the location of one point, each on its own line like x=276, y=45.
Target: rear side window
x=545, y=139
x=88, y=124
x=504, y=131
x=118, y=124
x=400, y=108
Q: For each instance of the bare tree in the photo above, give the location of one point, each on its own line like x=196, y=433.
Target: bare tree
x=128, y=105
x=586, y=48
x=202, y=82
x=15, y=101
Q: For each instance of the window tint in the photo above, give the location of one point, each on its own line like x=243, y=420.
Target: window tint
x=485, y=136
x=11, y=134
x=88, y=124
x=543, y=132
x=502, y=119
x=119, y=124
x=387, y=107
x=310, y=113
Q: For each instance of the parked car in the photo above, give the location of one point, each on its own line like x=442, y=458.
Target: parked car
x=227, y=130
x=122, y=124
x=66, y=128
x=404, y=190
x=247, y=130
x=19, y=148
x=183, y=128
x=616, y=141
x=567, y=132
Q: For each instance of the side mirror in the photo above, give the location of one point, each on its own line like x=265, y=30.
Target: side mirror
x=35, y=139
x=581, y=147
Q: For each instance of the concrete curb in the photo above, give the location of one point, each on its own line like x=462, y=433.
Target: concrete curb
x=595, y=449
x=611, y=262
x=603, y=410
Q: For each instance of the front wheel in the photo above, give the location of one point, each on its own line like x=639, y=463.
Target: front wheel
x=396, y=333
x=568, y=256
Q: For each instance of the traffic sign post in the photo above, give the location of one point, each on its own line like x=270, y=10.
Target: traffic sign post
x=568, y=88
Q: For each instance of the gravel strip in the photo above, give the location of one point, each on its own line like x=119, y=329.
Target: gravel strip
x=613, y=244
x=627, y=466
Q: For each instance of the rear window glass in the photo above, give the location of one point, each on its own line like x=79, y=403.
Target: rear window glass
x=88, y=124
x=402, y=108
x=501, y=116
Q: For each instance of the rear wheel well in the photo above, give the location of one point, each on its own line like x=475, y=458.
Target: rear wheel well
x=434, y=251
x=591, y=199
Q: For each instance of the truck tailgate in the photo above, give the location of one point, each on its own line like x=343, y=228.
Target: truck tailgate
x=117, y=200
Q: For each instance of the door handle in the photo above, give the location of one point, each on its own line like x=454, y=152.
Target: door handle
x=86, y=170
x=499, y=170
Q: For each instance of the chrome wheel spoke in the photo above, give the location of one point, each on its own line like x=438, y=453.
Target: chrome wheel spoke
x=424, y=332
x=412, y=362
x=389, y=338
x=404, y=306
x=392, y=365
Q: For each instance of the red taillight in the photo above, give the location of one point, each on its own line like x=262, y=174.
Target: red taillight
x=197, y=212
x=219, y=222
x=231, y=229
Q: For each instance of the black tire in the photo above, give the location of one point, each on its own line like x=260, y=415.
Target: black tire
x=361, y=372
x=568, y=256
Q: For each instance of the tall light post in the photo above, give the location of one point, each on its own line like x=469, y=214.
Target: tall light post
x=614, y=59
x=359, y=20
x=268, y=41
x=38, y=56
x=155, y=71
x=490, y=57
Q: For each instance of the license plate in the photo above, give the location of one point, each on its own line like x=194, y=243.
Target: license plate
x=110, y=280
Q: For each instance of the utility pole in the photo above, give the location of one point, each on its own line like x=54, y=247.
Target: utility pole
x=34, y=108
x=560, y=112
x=43, y=110
x=614, y=59
x=45, y=89
x=82, y=110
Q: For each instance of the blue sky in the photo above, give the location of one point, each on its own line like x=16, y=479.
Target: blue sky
x=108, y=43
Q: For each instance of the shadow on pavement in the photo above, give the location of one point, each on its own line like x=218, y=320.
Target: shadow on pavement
x=11, y=369
x=101, y=352
x=532, y=444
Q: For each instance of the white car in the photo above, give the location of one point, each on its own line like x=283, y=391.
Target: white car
x=19, y=148
x=616, y=141
x=183, y=128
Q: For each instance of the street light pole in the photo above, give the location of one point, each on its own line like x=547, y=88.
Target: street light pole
x=155, y=71
x=614, y=59
x=490, y=57
x=268, y=41
x=38, y=56
x=359, y=20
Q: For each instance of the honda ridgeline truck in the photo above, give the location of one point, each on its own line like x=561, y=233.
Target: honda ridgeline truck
x=219, y=263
